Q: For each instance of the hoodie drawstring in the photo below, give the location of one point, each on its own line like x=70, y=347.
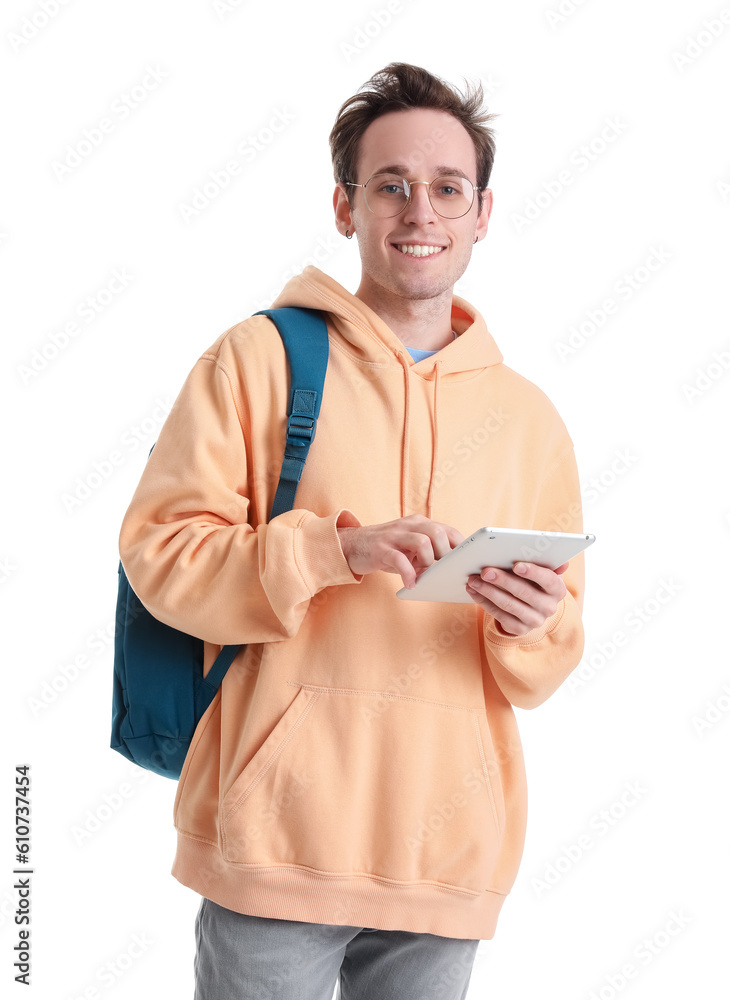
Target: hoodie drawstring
x=434, y=460
x=406, y=437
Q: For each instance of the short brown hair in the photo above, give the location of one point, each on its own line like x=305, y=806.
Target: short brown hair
x=399, y=87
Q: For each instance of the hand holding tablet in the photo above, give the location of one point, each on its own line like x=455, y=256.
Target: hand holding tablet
x=446, y=579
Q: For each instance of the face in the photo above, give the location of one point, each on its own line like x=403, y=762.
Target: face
x=422, y=141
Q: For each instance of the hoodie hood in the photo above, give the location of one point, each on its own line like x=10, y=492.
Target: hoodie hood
x=371, y=339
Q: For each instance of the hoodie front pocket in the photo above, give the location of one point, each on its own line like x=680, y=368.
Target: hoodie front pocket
x=374, y=784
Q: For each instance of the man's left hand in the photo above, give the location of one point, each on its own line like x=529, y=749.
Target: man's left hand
x=520, y=599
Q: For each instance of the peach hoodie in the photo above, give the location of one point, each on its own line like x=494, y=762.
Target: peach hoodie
x=361, y=763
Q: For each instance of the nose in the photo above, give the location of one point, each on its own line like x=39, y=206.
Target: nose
x=419, y=209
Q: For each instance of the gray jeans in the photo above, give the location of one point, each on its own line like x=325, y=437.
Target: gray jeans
x=242, y=957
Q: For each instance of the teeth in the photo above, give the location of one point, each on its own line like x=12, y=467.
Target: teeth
x=418, y=251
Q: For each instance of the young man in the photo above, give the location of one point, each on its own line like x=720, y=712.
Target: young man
x=353, y=805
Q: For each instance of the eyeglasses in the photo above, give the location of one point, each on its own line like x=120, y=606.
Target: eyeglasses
x=386, y=195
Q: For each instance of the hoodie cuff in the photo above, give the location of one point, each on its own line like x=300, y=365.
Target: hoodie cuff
x=495, y=634
x=319, y=554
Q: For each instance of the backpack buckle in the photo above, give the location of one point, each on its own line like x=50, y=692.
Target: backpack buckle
x=302, y=424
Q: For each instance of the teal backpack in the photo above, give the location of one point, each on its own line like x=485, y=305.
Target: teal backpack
x=160, y=693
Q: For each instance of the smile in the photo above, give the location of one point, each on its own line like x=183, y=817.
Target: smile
x=416, y=250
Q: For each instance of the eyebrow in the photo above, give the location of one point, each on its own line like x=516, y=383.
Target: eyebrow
x=402, y=169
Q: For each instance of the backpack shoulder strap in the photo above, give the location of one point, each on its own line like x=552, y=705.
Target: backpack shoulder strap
x=304, y=332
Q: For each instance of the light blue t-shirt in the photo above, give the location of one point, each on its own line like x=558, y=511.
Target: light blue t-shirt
x=420, y=355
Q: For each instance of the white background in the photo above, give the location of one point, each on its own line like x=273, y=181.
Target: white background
x=651, y=452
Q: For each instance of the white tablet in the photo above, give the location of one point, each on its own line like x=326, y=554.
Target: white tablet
x=446, y=579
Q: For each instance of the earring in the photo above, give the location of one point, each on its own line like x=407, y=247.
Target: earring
x=347, y=234
x=476, y=239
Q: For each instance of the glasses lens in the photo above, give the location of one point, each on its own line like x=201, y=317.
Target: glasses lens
x=385, y=195
x=451, y=196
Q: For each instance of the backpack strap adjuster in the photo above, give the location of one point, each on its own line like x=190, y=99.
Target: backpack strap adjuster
x=302, y=424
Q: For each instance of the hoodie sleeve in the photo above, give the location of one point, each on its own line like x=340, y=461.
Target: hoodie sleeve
x=529, y=668
x=186, y=544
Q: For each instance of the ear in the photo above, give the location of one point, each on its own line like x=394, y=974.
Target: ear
x=483, y=219
x=343, y=218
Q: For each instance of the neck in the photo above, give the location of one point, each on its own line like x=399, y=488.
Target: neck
x=424, y=324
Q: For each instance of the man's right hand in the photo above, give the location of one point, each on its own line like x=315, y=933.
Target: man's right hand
x=407, y=546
